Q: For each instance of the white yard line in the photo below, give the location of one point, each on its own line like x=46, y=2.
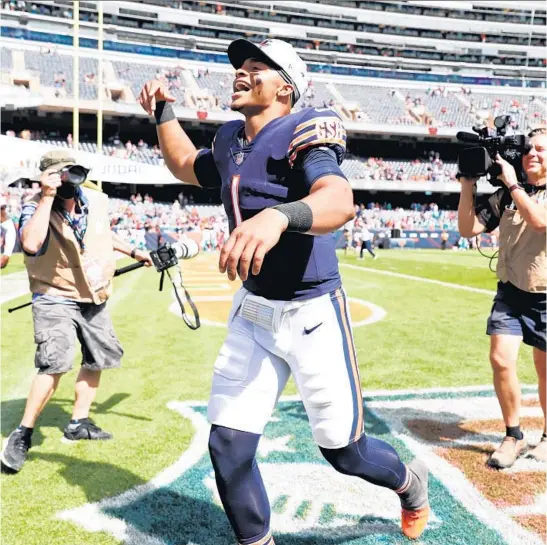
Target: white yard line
x=13, y=285
x=418, y=279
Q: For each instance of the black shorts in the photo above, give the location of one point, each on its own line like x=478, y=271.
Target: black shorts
x=57, y=325
x=517, y=312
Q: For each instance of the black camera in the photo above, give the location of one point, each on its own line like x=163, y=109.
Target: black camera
x=479, y=160
x=74, y=174
x=168, y=255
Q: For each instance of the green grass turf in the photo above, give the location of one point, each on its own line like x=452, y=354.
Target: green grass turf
x=432, y=336
x=15, y=265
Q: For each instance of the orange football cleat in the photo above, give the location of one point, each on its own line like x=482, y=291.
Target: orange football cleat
x=414, y=522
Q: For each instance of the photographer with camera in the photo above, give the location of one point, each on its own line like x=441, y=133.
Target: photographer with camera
x=518, y=313
x=69, y=255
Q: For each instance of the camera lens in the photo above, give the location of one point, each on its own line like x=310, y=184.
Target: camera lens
x=74, y=175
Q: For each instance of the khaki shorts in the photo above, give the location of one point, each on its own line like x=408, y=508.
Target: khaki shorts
x=57, y=325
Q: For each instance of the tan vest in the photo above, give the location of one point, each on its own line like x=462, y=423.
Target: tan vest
x=522, y=251
x=64, y=270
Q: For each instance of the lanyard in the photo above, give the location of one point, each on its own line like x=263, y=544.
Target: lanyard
x=78, y=226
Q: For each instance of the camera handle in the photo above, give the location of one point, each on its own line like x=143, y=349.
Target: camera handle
x=129, y=268
x=177, y=283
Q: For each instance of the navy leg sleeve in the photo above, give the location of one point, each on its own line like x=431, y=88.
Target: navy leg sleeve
x=240, y=486
x=370, y=459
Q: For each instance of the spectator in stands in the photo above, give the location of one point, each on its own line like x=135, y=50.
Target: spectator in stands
x=7, y=234
x=70, y=261
x=518, y=314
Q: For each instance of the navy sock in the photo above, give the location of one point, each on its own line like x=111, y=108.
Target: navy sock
x=514, y=431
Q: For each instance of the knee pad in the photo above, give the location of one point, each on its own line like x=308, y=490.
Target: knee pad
x=231, y=450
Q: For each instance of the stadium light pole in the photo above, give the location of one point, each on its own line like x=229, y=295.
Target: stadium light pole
x=100, y=87
x=76, y=77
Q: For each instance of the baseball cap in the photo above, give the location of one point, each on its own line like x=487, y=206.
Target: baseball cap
x=276, y=53
x=56, y=158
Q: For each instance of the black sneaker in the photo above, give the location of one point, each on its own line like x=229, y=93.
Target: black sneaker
x=85, y=430
x=16, y=450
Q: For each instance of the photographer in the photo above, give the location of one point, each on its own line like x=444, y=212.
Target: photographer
x=69, y=256
x=518, y=312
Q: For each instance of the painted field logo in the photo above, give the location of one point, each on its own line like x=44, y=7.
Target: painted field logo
x=213, y=294
x=312, y=504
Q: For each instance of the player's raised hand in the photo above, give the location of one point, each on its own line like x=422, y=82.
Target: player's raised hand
x=154, y=91
x=250, y=242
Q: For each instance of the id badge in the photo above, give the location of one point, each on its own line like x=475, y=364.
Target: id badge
x=94, y=272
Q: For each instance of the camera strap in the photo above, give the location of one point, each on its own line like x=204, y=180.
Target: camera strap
x=177, y=283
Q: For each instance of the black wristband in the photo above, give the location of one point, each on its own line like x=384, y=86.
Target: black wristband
x=164, y=112
x=133, y=252
x=299, y=215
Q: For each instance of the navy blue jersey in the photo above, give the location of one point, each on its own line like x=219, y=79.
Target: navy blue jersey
x=265, y=173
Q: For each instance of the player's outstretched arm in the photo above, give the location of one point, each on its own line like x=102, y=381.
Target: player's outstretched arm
x=178, y=151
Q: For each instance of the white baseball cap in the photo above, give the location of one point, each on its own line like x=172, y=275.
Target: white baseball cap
x=281, y=55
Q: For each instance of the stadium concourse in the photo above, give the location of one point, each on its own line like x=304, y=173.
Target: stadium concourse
x=405, y=77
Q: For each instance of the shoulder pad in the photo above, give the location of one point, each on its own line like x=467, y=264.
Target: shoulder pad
x=318, y=127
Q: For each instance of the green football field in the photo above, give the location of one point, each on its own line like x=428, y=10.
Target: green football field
x=431, y=335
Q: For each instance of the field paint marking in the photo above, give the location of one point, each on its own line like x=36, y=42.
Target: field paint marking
x=206, y=287
x=13, y=285
x=91, y=517
x=453, y=479
x=420, y=279
x=22, y=389
x=370, y=395
x=376, y=313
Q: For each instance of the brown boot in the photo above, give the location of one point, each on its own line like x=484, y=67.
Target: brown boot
x=508, y=452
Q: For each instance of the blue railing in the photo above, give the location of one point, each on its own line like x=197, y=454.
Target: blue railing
x=168, y=52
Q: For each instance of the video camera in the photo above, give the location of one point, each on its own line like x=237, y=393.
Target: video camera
x=168, y=255
x=479, y=160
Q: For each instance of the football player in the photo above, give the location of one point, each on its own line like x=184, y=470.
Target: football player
x=284, y=194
